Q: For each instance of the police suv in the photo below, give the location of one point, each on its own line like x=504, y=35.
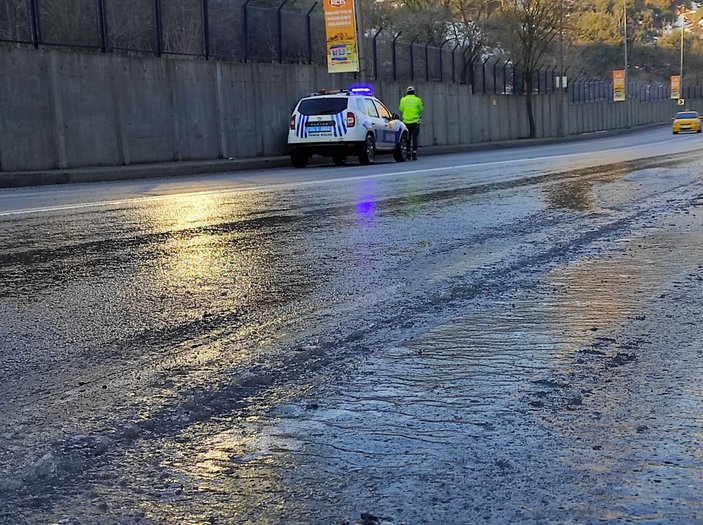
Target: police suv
x=339, y=123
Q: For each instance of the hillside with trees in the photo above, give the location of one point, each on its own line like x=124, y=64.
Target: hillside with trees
x=586, y=34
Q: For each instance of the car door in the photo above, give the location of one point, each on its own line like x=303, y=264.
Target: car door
x=377, y=123
x=390, y=135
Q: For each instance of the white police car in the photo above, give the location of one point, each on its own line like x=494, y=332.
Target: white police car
x=339, y=123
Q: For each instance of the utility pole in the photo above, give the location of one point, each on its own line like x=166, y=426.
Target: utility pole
x=560, y=128
x=627, y=75
x=360, y=39
x=682, y=10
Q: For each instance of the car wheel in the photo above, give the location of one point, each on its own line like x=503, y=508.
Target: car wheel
x=401, y=150
x=366, y=154
x=340, y=159
x=299, y=159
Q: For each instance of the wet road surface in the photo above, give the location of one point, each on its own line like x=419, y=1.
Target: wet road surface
x=505, y=337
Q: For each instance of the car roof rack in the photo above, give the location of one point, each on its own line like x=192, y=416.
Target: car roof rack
x=329, y=91
x=358, y=90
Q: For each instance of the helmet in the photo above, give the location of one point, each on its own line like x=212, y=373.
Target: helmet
x=411, y=89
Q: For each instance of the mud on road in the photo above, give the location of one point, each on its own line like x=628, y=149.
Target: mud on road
x=521, y=352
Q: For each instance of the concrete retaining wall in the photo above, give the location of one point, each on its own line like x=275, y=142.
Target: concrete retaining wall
x=69, y=110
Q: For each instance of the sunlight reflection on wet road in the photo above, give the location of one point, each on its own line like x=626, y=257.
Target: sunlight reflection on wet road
x=427, y=351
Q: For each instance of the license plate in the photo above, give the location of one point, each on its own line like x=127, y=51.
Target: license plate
x=319, y=129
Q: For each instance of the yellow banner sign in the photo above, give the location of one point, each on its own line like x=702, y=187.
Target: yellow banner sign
x=618, y=85
x=340, y=28
x=675, y=86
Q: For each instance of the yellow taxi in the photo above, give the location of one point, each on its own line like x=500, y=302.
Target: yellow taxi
x=686, y=121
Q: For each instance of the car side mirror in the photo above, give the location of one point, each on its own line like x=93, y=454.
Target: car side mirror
x=395, y=116
x=672, y=119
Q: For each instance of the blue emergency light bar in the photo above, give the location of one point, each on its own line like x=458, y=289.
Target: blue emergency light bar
x=361, y=90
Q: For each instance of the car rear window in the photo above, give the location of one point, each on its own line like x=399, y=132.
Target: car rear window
x=322, y=106
x=687, y=114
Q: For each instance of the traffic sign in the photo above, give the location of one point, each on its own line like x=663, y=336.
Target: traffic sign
x=681, y=101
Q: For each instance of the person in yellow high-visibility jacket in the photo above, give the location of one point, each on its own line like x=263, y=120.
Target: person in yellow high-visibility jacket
x=410, y=108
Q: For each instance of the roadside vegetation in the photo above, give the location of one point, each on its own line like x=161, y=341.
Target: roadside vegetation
x=586, y=34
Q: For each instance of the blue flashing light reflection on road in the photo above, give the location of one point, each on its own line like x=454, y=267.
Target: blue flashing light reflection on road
x=365, y=207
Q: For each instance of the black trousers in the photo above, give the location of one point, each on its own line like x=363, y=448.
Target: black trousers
x=414, y=130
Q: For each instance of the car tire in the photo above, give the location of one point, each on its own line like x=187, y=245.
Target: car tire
x=367, y=151
x=402, y=150
x=675, y=132
x=339, y=159
x=299, y=159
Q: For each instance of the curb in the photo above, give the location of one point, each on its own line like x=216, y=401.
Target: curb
x=18, y=179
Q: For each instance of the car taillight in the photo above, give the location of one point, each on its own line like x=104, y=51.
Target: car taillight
x=292, y=122
x=351, y=120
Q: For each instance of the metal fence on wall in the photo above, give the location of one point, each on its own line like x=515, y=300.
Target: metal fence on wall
x=244, y=30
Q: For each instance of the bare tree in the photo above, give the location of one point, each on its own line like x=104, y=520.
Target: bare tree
x=13, y=20
x=470, y=28
x=531, y=27
x=182, y=27
x=130, y=24
x=468, y=25
x=68, y=22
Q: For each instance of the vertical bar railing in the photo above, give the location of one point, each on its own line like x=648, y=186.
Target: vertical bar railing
x=394, y=54
x=546, y=79
x=102, y=24
x=412, y=58
x=483, y=72
x=245, y=32
x=470, y=66
x=441, y=51
x=505, y=80
x=454, y=64
x=279, y=32
x=495, y=77
x=375, y=54
x=308, y=29
x=205, y=14
x=34, y=23
x=158, y=27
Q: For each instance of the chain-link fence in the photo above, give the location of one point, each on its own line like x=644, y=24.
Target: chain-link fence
x=246, y=30
x=228, y=29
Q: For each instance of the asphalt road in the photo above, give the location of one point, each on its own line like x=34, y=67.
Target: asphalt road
x=509, y=336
